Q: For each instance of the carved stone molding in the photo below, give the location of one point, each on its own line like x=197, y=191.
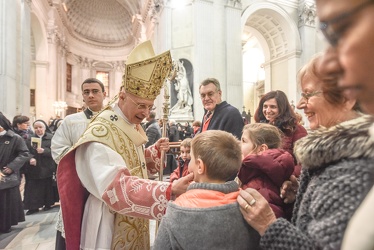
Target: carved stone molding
x=88, y=63
x=154, y=11
x=234, y=3
x=29, y=3
x=307, y=15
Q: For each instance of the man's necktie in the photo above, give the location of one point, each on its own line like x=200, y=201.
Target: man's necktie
x=207, y=116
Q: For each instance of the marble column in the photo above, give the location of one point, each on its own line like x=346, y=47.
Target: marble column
x=217, y=49
x=15, y=57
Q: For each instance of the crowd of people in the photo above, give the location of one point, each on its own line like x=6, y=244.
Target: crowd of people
x=25, y=153
x=267, y=185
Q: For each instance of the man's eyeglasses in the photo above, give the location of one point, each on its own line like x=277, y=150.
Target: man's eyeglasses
x=209, y=95
x=328, y=31
x=307, y=96
x=93, y=91
x=142, y=106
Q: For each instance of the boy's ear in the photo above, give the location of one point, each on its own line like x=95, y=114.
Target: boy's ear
x=200, y=167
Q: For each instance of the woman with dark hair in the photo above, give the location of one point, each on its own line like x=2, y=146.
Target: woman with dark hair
x=275, y=109
x=21, y=126
x=13, y=154
x=39, y=172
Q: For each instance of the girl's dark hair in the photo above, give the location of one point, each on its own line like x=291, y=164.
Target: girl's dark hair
x=286, y=120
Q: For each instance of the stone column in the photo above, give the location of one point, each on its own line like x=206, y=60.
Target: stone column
x=14, y=69
x=307, y=29
x=8, y=55
x=234, y=61
x=217, y=49
x=25, y=58
x=45, y=105
x=42, y=93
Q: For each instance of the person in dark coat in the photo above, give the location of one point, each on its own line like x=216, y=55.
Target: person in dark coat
x=218, y=114
x=173, y=132
x=188, y=130
x=152, y=129
x=13, y=154
x=40, y=170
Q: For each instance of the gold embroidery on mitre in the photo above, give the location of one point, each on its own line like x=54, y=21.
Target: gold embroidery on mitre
x=145, y=73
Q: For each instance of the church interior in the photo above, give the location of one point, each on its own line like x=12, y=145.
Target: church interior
x=251, y=46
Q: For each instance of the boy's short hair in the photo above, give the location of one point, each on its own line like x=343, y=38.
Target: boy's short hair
x=186, y=143
x=93, y=80
x=220, y=151
x=264, y=133
x=196, y=123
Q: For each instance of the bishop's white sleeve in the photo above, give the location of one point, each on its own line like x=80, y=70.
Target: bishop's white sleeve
x=97, y=165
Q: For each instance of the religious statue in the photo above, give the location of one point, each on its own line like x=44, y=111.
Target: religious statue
x=184, y=96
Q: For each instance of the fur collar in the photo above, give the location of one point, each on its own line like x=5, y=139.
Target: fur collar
x=347, y=140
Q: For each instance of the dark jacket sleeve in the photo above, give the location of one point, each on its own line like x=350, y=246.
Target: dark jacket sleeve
x=235, y=125
x=20, y=149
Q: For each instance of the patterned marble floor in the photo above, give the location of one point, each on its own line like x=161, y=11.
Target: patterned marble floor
x=36, y=233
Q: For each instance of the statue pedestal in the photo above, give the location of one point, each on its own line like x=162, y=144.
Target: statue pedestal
x=181, y=116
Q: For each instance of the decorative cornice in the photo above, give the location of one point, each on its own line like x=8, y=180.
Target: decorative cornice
x=234, y=3
x=155, y=10
x=28, y=2
x=88, y=63
x=307, y=15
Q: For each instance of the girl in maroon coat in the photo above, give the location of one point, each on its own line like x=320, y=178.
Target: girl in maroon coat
x=265, y=166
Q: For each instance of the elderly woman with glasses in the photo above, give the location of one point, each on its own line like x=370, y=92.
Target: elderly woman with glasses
x=337, y=160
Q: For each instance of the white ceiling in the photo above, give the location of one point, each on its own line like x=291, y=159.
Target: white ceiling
x=102, y=22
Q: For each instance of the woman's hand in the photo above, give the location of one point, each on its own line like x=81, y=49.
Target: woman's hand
x=33, y=162
x=40, y=150
x=289, y=189
x=163, y=144
x=256, y=210
x=7, y=171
